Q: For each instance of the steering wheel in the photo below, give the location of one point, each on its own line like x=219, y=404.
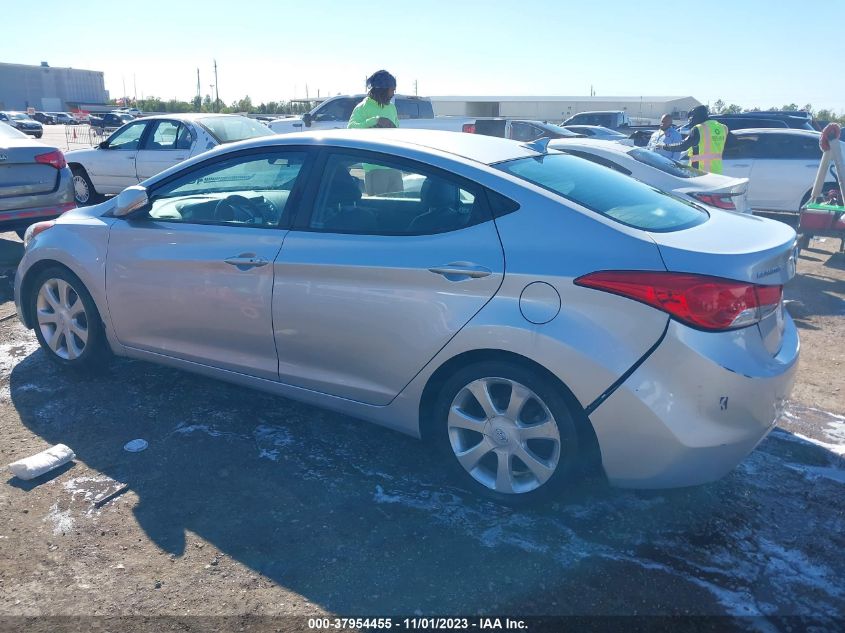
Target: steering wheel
x=236, y=208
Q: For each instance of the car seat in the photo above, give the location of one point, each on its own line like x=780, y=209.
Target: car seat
x=341, y=207
x=440, y=201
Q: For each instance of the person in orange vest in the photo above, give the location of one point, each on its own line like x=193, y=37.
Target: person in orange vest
x=705, y=143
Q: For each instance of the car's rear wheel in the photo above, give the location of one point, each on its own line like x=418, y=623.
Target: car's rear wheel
x=67, y=323
x=508, y=432
x=83, y=190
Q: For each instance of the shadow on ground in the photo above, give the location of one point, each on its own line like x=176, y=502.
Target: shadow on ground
x=361, y=520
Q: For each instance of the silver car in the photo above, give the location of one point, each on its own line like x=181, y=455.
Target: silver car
x=35, y=181
x=527, y=311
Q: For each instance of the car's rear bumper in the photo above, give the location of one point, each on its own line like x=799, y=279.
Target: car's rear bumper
x=21, y=211
x=695, y=408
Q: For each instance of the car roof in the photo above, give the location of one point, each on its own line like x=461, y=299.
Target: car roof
x=474, y=147
x=776, y=130
x=184, y=116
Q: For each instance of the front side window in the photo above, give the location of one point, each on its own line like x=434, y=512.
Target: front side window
x=524, y=132
x=247, y=190
x=379, y=197
x=604, y=191
x=127, y=138
x=337, y=110
x=741, y=147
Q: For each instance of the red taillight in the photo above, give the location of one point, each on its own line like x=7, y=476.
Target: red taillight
x=718, y=200
x=709, y=303
x=54, y=159
x=469, y=128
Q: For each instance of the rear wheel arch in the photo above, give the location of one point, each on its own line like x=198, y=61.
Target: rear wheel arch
x=428, y=425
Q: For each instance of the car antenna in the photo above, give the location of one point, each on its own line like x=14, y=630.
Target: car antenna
x=541, y=145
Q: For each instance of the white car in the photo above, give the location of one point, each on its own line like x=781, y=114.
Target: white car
x=780, y=165
x=144, y=147
x=662, y=173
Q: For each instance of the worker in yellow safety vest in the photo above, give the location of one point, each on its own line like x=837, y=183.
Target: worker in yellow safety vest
x=705, y=143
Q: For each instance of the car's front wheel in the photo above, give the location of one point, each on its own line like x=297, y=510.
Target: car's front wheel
x=508, y=432
x=67, y=323
x=83, y=189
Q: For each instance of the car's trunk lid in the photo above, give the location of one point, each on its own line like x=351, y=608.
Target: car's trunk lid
x=738, y=247
x=20, y=175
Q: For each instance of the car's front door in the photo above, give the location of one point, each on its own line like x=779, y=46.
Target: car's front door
x=370, y=286
x=741, y=150
x=166, y=144
x=191, y=277
x=113, y=167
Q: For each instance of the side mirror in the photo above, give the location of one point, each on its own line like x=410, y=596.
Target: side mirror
x=306, y=118
x=130, y=200
x=103, y=145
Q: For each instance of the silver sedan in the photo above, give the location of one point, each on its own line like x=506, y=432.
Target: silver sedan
x=527, y=311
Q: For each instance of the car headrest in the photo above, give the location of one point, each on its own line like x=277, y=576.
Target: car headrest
x=344, y=189
x=436, y=193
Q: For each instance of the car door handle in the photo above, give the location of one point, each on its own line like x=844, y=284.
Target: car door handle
x=130, y=158
x=461, y=270
x=245, y=261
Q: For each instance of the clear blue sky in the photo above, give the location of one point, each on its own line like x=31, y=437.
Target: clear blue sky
x=753, y=53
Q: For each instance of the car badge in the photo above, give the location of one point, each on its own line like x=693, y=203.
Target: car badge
x=3, y=157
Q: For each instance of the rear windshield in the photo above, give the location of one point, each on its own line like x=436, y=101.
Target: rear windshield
x=658, y=161
x=228, y=129
x=607, y=192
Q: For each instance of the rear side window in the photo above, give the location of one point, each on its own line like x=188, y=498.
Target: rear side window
x=604, y=191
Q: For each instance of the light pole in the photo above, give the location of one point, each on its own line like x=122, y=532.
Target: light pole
x=214, y=107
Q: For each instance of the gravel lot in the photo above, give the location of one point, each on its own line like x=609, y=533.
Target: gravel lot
x=245, y=503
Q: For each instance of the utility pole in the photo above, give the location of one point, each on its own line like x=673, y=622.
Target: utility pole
x=216, y=89
x=214, y=106
x=124, y=90
x=199, y=92
x=134, y=88
x=416, y=94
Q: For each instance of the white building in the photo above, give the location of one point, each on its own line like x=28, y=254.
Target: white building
x=555, y=109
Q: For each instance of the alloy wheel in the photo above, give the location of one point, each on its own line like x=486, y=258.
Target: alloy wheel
x=62, y=319
x=504, y=435
x=80, y=189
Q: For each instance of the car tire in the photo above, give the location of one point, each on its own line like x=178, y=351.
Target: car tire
x=84, y=193
x=67, y=322
x=513, y=453
x=39, y=134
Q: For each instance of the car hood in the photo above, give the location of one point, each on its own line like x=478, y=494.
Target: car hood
x=282, y=126
x=80, y=154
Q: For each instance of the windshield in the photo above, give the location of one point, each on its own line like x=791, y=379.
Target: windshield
x=18, y=116
x=667, y=165
x=7, y=131
x=228, y=129
x=607, y=192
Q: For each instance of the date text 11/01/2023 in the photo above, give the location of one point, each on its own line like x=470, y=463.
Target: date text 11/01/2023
x=418, y=623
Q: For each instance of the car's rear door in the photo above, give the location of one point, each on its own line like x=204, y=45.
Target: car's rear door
x=740, y=153
x=785, y=170
x=192, y=276
x=165, y=144
x=369, y=287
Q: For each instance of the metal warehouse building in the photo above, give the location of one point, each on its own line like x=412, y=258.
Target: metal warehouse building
x=649, y=109
x=50, y=89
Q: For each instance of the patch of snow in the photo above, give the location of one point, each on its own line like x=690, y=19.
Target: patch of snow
x=61, y=519
x=814, y=472
x=838, y=449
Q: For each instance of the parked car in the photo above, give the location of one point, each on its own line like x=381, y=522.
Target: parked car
x=135, y=112
x=44, y=118
x=144, y=147
x=63, y=118
x=662, y=173
x=35, y=182
x=110, y=120
x=629, y=328
x=21, y=121
x=748, y=120
x=613, y=119
x=599, y=132
x=517, y=129
x=780, y=165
